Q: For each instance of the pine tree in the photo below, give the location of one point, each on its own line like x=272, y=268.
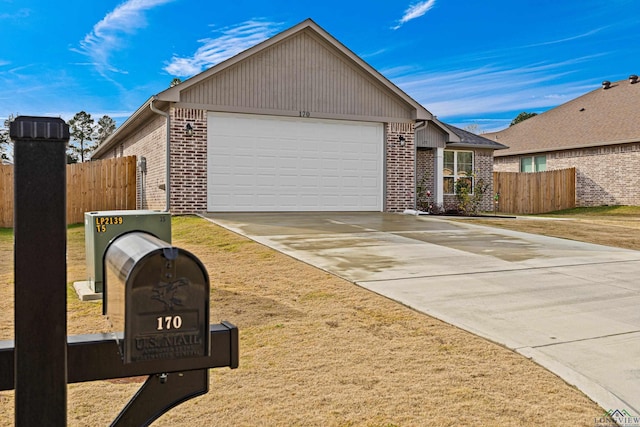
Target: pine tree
x=83, y=132
x=106, y=126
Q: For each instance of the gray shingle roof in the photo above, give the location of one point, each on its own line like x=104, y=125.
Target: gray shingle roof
x=471, y=140
x=600, y=117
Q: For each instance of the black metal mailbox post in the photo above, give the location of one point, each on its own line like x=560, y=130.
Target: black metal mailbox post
x=42, y=359
x=40, y=269
x=158, y=295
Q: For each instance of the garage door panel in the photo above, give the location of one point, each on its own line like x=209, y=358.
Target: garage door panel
x=263, y=163
x=368, y=165
x=351, y=183
x=351, y=147
x=309, y=150
x=310, y=181
x=310, y=165
x=369, y=182
x=350, y=166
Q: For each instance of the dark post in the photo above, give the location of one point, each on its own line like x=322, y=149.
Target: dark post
x=40, y=270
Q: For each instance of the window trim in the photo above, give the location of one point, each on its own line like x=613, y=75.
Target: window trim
x=455, y=174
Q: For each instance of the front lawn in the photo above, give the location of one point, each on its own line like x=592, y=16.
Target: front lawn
x=316, y=350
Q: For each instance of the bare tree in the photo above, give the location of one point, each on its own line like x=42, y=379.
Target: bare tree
x=473, y=128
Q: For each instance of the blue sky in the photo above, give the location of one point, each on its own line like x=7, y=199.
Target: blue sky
x=470, y=62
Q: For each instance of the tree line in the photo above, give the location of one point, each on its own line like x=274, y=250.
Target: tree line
x=85, y=135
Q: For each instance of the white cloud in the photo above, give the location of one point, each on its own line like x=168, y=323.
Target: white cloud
x=568, y=39
x=415, y=11
x=375, y=53
x=109, y=34
x=478, y=91
x=230, y=41
x=20, y=14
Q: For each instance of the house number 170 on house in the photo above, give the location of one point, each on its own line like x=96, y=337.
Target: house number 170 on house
x=169, y=322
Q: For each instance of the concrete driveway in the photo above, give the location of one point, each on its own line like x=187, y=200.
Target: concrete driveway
x=572, y=307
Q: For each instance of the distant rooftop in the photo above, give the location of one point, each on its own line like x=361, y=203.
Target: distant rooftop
x=607, y=115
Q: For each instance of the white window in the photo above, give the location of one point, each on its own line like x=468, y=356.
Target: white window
x=533, y=164
x=457, y=165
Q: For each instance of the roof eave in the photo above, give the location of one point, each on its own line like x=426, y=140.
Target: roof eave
x=576, y=147
x=122, y=130
x=482, y=146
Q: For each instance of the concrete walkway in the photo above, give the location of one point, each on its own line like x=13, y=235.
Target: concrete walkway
x=572, y=307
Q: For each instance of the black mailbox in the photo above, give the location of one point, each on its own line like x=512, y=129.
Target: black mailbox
x=158, y=296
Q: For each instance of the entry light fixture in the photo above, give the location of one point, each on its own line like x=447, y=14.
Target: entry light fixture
x=402, y=140
x=188, y=129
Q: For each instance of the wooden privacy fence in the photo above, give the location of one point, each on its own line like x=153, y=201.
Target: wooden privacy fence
x=91, y=186
x=6, y=196
x=538, y=192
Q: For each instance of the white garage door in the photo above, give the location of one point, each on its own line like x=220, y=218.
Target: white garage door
x=266, y=163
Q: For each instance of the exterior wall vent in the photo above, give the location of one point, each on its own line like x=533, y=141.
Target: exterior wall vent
x=606, y=84
x=633, y=79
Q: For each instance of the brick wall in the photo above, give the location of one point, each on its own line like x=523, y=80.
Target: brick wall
x=483, y=163
x=425, y=160
x=506, y=164
x=188, y=161
x=606, y=175
x=149, y=141
x=401, y=164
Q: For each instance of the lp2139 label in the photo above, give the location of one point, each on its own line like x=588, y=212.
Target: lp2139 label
x=102, y=222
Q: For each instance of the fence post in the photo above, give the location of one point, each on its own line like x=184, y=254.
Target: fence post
x=40, y=270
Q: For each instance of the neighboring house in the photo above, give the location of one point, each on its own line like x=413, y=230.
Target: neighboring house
x=597, y=133
x=295, y=123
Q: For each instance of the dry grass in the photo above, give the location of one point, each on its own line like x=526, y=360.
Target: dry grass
x=617, y=226
x=316, y=350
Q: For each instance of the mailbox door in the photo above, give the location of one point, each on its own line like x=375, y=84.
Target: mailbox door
x=168, y=308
